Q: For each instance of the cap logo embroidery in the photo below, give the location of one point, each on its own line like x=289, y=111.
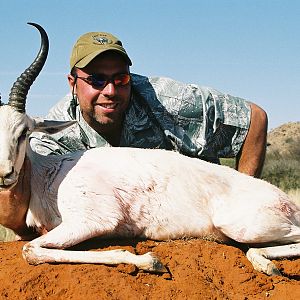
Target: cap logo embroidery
x=101, y=40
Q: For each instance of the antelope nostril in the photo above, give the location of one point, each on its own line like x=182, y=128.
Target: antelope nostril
x=11, y=171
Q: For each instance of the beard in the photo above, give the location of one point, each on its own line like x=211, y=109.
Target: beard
x=104, y=124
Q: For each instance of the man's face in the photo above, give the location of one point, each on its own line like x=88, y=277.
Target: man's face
x=103, y=108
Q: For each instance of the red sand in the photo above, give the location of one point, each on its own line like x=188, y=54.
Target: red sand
x=198, y=270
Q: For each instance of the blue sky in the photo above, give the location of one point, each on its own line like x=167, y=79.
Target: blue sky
x=247, y=48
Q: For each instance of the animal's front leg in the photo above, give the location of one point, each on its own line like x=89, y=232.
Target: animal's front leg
x=260, y=257
x=260, y=263
x=49, y=249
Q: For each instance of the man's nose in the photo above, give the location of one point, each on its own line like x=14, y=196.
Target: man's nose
x=109, y=89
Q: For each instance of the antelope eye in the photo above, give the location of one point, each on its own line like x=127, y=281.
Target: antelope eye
x=21, y=139
x=23, y=135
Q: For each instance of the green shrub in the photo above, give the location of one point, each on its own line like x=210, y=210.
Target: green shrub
x=283, y=170
x=295, y=150
x=284, y=173
x=229, y=162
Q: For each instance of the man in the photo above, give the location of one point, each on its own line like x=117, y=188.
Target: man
x=116, y=108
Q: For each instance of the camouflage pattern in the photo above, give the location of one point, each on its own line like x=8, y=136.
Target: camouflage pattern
x=163, y=113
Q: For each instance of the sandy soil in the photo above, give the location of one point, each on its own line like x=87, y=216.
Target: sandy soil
x=198, y=269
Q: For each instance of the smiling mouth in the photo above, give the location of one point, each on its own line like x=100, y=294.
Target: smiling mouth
x=108, y=106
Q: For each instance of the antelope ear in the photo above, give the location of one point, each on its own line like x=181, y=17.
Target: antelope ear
x=51, y=126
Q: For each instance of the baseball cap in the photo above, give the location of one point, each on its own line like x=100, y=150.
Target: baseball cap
x=91, y=44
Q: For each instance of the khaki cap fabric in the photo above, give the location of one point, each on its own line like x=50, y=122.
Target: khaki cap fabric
x=91, y=44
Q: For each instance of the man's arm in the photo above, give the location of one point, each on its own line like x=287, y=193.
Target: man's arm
x=250, y=159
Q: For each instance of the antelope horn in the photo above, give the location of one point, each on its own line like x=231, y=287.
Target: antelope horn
x=19, y=90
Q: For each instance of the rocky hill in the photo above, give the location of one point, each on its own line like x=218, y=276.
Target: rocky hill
x=284, y=137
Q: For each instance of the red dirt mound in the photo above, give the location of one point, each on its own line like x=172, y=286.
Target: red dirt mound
x=198, y=269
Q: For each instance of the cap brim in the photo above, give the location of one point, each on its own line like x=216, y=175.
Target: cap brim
x=86, y=60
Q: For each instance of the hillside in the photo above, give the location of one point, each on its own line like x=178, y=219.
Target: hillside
x=283, y=138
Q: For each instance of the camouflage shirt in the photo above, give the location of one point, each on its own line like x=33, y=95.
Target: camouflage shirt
x=163, y=113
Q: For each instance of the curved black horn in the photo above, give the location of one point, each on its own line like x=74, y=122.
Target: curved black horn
x=18, y=93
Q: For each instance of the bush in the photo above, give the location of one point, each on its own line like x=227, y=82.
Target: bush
x=283, y=170
x=284, y=173
x=229, y=162
x=294, y=151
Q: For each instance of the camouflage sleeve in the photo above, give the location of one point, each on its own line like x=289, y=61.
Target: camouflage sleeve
x=56, y=144
x=210, y=124
x=44, y=144
x=227, y=122
x=79, y=136
x=67, y=140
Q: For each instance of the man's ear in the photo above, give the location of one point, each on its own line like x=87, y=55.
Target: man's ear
x=51, y=126
x=72, y=82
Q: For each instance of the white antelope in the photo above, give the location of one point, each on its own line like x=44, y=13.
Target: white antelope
x=125, y=192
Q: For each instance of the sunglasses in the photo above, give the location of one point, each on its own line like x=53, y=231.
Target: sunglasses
x=99, y=81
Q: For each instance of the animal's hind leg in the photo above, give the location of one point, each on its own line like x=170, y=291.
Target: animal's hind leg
x=260, y=257
x=48, y=249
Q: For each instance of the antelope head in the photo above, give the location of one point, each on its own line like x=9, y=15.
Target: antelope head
x=15, y=125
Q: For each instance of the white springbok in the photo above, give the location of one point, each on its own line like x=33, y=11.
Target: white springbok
x=126, y=192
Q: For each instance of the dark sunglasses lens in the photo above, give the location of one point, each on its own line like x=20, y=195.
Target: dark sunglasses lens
x=100, y=82
x=97, y=82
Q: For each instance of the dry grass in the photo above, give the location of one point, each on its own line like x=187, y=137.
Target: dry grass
x=6, y=234
x=295, y=195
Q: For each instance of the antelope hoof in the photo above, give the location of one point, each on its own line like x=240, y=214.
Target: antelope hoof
x=154, y=265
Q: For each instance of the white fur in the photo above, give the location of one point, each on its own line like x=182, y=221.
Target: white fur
x=154, y=194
